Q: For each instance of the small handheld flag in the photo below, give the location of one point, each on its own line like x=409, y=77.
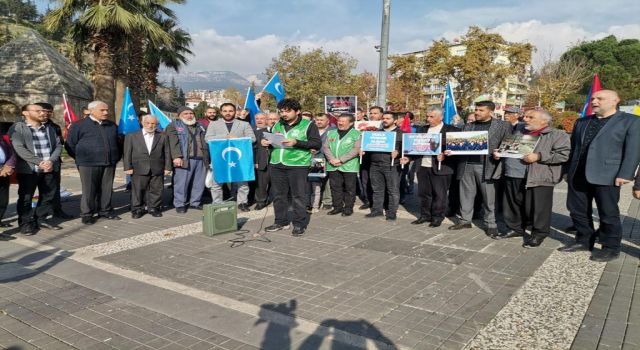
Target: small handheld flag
x=251, y=104
x=69, y=116
x=163, y=120
x=595, y=87
x=275, y=87
x=128, y=116
x=449, y=105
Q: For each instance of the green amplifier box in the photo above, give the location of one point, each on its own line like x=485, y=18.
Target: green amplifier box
x=219, y=218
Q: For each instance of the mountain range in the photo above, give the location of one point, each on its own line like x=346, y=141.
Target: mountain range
x=210, y=80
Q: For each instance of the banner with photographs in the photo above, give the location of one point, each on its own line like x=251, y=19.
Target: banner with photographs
x=340, y=104
x=421, y=144
x=517, y=146
x=468, y=142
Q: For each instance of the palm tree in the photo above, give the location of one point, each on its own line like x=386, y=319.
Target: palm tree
x=105, y=25
x=171, y=56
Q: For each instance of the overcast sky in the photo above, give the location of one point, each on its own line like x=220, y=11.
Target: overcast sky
x=244, y=35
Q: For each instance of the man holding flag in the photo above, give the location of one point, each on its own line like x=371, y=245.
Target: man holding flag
x=230, y=127
x=290, y=166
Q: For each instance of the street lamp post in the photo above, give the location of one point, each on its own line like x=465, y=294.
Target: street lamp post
x=384, y=53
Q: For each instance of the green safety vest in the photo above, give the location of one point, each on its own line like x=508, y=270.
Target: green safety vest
x=292, y=156
x=341, y=146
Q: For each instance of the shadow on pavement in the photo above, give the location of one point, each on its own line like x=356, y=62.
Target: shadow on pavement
x=354, y=334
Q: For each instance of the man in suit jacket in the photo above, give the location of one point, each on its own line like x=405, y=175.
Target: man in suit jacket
x=230, y=127
x=147, y=158
x=261, y=156
x=434, y=173
x=605, y=151
x=480, y=171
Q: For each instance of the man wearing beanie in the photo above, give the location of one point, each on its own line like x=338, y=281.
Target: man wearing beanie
x=190, y=156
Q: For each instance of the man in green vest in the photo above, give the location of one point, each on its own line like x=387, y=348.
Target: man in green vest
x=290, y=163
x=341, y=149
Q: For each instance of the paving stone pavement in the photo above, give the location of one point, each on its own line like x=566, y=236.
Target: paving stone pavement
x=365, y=283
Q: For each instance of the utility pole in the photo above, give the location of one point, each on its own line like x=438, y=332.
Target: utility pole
x=384, y=53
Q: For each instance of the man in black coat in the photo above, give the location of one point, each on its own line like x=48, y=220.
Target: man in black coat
x=434, y=173
x=261, y=155
x=147, y=158
x=605, y=151
x=93, y=143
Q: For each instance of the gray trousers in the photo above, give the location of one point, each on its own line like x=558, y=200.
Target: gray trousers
x=188, y=184
x=242, y=188
x=97, y=187
x=472, y=180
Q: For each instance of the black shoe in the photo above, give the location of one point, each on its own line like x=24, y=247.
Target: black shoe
x=137, y=214
x=347, y=212
x=373, y=214
x=50, y=226
x=492, y=232
x=298, y=231
x=459, y=226
x=604, y=255
x=197, y=207
x=260, y=206
x=391, y=217
x=421, y=220
x=111, y=216
x=88, y=220
x=276, y=227
x=62, y=215
x=335, y=211
x=155, y=213
x=5, y=224
x=327, y=207
x=365, y=206
x=574, y=247
x=29, y=229
x=510, y=234
x=533, y=242
x=244, y=207
x=181, y=210
x=435, y=223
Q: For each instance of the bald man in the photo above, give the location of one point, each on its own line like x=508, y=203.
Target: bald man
x=605, y=151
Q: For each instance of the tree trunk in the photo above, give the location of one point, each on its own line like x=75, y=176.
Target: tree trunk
x=121, y=85
x=103, y=79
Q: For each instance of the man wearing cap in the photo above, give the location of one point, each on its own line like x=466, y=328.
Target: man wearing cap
x=190, y=156
x=511, y=115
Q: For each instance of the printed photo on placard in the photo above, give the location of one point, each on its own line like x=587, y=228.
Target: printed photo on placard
x=517, y=146
x=421, y=144
x=340, y=104
x=468, y=142
x=368, y=125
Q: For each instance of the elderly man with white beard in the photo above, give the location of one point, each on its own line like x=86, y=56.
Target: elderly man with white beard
x=190, y=155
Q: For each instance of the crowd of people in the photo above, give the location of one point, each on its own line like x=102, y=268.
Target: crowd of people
x=601, y=154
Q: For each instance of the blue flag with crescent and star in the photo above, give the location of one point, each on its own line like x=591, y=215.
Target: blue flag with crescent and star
x=251, y=104
x=275, y=87
x=232, y=160
x=448, y=105
x=163, y=120
x=128, y=116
